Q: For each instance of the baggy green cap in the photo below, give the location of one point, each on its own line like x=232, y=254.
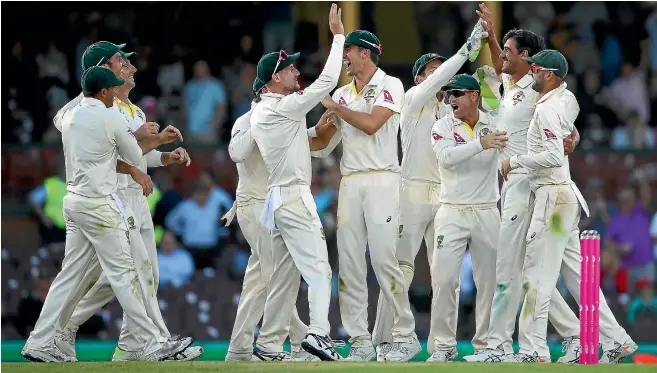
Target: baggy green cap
x=550, y=59
x=96, y=78
x=268, y=62
x=421, y=62
x=365, y=39
x=462, y=81
x=257, y=86
x=99, y=53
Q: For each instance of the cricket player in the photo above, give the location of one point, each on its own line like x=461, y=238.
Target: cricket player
x=134, y=186
x=368, y=111
x=250, y=198
x=420, y=179
x=514, y=115
x=100, y=225
x=553, y=245
x=278, y=126
x=465, y=144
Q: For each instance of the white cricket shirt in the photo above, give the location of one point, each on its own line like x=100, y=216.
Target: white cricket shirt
x=469, y=173
x=361, y=152
x=94, y=137
x=135, y=118
x=545, y=160
x=278, y=124
x=251, y=170
x=420, y=111
x=514, y=114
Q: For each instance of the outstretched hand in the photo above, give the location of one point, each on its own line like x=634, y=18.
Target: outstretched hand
x=335, y=20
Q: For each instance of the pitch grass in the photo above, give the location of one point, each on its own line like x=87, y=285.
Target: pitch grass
x=337, y=367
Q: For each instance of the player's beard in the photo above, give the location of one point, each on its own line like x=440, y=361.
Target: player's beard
x=538, y=84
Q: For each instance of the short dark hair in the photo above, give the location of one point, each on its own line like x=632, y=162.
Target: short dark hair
x=525, y=41
x=373, y=56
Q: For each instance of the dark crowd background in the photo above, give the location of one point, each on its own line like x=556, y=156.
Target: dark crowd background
x=196, y=64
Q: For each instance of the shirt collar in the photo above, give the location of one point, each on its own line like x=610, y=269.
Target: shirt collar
x=272, y=95
x=553, y=93
x=484, y=118
x=90, y=101
x=377, y=79
x=525, y=81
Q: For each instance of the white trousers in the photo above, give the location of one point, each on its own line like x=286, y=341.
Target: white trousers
x=368, y=215
x=458, y=227
x=145, y=257
x=419, y=204
x=100, y=235
x=516, y=215
x=298, y=249
x=256, y=284
x=553, y=247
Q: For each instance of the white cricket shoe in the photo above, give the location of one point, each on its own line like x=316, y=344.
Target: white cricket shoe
x=46, y=354
x=65, y=342
x=488, y=355
x=618, y=353
x=262, y=355
x=403, y=351
x=321, y=346
x=303, y=355
x=443, y=356
x=361, y=350
x=525, y=358
x=382, y=350
x=571, y=348
x=239, y=356
x=189, y=354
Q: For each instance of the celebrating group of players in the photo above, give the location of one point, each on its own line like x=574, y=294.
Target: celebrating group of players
x=457, y=134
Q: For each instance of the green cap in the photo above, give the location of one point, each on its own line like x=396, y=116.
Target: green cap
x=126, y=54
x=96, y=78
x=364, y=39
x=462, y=81
x=98, y=53
x=421, y=62
x=268, y=62
x=257, y=86
x=550, y=59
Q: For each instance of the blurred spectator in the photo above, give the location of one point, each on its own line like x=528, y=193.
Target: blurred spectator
x=176, y=263
x=651, y=28
x=148, y=105
x=653, y=233
x=611, y=54
x=196, y=221
x=47, y=201
x=53, y=64
x=279, y=31
x=534, y=15
x=645, y=303
x=242, y=91
x=628, y=234
x=600, y=210
x=205, y=105
x=629, y=94
x=635, y=134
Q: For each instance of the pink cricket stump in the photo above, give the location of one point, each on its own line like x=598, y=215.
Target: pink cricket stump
x=589, y=296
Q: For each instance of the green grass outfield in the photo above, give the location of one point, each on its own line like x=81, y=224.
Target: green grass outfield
x=333, y=367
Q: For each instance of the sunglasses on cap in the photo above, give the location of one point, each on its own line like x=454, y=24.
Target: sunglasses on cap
x=456, y=93
x=535, y=69
x=282, y=56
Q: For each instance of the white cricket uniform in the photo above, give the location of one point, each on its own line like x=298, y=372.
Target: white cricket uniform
x=467, y=216
x=101, y=293
x=553, y=237
x=100, y=225
x=278, y=126
x=250, y=199
x=370, y=174
x=514, y=115
x=420, y=190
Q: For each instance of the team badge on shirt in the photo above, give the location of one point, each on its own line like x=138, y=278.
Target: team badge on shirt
x=369, y=95
x=518, y=97
x=387, y=97
x=484, y=131
x=342, y=102
x=549, y=135
x=131, y=222
x=458, y=138
x=439, y=242
x=300, y=92
x=436, y=136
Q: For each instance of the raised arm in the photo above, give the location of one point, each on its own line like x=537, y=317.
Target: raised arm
x=549, y=124
x=418, y=96
x=493, y=45
x=297, y=105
